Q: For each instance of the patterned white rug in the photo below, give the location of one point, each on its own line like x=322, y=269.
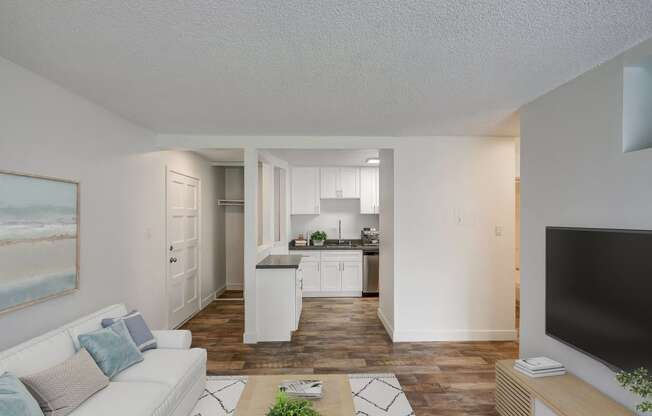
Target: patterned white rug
x=373, y=395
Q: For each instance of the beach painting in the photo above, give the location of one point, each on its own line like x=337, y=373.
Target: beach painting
x=39, y=239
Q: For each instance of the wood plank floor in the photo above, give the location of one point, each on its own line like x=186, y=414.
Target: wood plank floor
x=345, y=336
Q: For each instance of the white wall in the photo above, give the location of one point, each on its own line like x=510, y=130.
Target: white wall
x=234, y=223
x=450, y=282
x=332, y=210
x=454, y=278
x=387, y=248
x=574, y=173
x=46, y=130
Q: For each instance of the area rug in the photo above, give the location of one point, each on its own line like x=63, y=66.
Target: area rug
x=373, y=395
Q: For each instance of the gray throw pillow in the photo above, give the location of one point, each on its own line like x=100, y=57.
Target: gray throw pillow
x=138, y=329
x=112, y=348
x=63, y=388
x=15, y=400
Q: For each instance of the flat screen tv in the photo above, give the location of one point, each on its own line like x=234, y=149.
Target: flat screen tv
x=599, y=293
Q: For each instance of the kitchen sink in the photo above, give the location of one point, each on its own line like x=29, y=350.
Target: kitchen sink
x=340, y=244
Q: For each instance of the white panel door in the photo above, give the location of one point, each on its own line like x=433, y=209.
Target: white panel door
x=182, y=259
x=349, y=183
x=368, y=190
x=305, y=190
x=311, y=276
x=352, y=275
x=331, y=276
x=330, y=187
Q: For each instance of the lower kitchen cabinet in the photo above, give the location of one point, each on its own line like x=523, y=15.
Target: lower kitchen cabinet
x=352, y=275
x=311, y=272
x=331, y=273
x=331, y=276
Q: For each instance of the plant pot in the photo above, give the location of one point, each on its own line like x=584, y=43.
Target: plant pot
x=317, y=243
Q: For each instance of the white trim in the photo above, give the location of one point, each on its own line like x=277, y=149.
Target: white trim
x=207, y=300
x=220, y=291
x=234, y=287
x=341, y=294
x=388, y=326
x=456, y=335
x=250, y=338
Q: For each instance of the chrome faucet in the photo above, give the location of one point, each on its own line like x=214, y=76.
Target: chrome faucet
x=339, y=231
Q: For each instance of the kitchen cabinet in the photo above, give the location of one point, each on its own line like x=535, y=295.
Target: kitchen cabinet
x=305, y=191
x=331, y=276
x=311, y=272
x=351, y=272
x=342, y=182
x=331, y=273
x=369, y=190
x=279, y=302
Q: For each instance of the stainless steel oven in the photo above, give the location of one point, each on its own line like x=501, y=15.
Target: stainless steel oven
x=370, y=273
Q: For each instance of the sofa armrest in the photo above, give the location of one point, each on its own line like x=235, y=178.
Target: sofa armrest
x=173, y=340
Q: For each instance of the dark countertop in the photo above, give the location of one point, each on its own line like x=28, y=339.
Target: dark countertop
x=355, y=245
x=278, y=261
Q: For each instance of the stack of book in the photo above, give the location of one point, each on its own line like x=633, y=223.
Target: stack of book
x=302, y=389
x=300, y=243
x=539, y=367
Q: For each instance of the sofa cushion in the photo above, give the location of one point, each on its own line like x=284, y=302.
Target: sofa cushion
x=15, y=400
x=125, y=399
x=93, y=322
x=112, y=348
x=61, y=389
x=138, y=330
x=38, y=354
x=178, y=369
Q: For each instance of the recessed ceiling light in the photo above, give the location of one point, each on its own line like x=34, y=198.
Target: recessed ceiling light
x=373, y=161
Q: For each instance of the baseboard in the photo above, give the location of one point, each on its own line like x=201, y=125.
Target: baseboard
x=388, y=327
x=220, y=291
x=230, y=286
x=455, y=335
x=250, y=338
x=342, y=294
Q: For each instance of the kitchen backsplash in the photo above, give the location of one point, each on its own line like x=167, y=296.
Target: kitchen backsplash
x=332, y=210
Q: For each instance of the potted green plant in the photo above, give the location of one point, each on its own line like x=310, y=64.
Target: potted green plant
x=638, y=382
x=318, y=238
x=284, y=406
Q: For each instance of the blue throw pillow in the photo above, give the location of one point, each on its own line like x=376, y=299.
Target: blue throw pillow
x=138, y=330
x=112, y=348
x=15, y=400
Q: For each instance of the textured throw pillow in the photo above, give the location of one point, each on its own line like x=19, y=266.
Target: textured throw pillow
x=63, y=388
x=15, y=400
x=138, y=330
x=112, y=348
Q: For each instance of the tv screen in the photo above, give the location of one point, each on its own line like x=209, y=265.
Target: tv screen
x=599, y=293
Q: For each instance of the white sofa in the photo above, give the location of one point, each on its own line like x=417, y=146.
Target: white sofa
x=168, y=381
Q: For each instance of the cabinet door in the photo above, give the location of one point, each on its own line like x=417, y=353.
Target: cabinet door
x=305, y=190
x=368, y=190
x=352, y=275
x=331, y=276
x=376, y=183
x=349, y=183
x=311, y=276
x=330, y=183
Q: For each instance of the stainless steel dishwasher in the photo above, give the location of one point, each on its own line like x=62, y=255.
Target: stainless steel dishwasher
x=370, y=273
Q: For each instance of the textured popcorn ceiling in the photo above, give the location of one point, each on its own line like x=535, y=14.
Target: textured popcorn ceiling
x=332, y=67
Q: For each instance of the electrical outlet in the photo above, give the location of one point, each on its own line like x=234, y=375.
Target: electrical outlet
x=499, y=230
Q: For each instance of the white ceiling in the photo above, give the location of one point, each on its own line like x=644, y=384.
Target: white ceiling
x=339, y=67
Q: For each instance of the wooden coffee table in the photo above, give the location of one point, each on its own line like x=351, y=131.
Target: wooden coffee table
x=260, y=394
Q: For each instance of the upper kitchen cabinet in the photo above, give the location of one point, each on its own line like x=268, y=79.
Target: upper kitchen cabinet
x=369, y=190
x=343, y=182
x=305, y=190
